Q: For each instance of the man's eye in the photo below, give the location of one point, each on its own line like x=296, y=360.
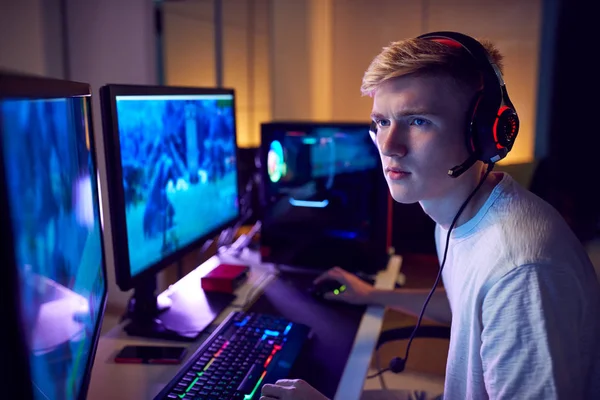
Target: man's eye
x=419, y=121
x=383, y=122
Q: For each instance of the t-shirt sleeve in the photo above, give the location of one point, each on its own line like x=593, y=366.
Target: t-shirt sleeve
x=531, y=322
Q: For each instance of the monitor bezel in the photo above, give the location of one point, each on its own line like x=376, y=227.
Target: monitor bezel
x=383, y=215
x=26, y=86
x=114, y=171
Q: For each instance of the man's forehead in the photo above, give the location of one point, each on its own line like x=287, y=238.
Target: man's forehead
x=427, y=95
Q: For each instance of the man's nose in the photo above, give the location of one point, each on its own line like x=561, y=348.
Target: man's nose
x=393, y=142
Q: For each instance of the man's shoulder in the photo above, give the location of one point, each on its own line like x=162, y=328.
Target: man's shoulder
x=520, y=214
x=521, y=230
x=520, y=201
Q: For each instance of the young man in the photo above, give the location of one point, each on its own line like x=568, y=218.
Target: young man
x=524, y=297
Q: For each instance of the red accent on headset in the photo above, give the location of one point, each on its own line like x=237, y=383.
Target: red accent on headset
x=448, y=42
x=500, y=111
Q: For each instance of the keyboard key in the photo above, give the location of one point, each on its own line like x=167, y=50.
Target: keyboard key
x=251, y=378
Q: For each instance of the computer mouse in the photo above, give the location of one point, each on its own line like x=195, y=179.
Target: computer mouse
x=329, y=285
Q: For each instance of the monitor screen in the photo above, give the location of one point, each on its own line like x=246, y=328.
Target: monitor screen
x=323, y=195
x=179, y=173
x=51, y=184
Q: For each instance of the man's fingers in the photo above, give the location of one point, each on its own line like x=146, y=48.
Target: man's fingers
x=280, y=388
x=329, y=274
x=287, y=382
x=274, y=391
x=336, y=274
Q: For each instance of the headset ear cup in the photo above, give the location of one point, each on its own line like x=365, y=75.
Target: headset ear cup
x=471, y=126
x=506, y=127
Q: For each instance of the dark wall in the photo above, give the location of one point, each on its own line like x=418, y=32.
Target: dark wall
x=568, y=176
x=574, y=107
x=413, y=230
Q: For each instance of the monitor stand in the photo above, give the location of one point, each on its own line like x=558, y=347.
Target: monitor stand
x=181, y=317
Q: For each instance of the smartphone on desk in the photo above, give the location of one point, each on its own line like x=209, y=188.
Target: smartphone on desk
x=151, y=355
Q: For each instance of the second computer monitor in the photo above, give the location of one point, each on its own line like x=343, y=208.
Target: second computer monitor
x=171, y=172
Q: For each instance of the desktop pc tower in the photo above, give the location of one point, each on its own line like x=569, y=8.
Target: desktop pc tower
x=250, y=183
x=324, y=198
x=53, y=275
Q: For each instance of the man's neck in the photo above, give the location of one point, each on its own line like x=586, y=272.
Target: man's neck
x=443, y=211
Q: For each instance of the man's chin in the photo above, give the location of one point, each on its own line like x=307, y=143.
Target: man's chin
x=403, y=197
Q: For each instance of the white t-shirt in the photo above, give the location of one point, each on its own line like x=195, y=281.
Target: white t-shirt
x=525, y=303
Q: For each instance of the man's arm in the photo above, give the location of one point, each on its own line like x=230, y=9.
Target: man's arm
x=530, y=335
x=410, y=301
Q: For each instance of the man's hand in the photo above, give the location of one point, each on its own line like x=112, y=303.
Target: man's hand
x=290, y=389
x=357, y=291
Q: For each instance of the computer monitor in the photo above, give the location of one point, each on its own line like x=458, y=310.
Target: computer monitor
x=52, y=248
x=172, y=185
x=325, y=201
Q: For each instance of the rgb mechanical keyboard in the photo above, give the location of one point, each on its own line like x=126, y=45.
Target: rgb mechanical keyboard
x=246, y=351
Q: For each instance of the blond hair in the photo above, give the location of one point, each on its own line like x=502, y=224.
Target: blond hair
x=423, y=57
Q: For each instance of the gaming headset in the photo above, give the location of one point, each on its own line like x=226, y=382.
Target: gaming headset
x=490, y=135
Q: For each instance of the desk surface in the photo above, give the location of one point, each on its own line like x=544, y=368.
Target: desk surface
x=135, y=381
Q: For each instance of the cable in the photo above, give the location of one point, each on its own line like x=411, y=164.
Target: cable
x=397, y=364
x=380, y=374
x=379, y=370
